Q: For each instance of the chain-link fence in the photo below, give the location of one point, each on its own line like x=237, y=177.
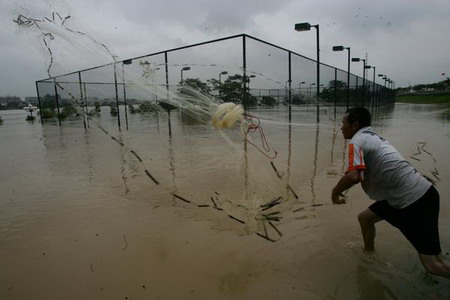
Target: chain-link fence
x=240, y=69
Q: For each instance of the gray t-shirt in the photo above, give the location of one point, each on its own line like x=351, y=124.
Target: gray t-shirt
x=386, y=174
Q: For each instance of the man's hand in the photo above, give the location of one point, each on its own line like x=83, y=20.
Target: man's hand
x=347, y=181
x=338, y=198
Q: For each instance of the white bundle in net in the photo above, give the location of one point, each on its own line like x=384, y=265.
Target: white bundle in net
x=227, y=114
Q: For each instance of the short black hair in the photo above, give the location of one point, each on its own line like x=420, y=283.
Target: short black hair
x=360, y=115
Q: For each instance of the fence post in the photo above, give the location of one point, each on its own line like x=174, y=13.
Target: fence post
x=335, y=91
x=244, y=65
x=81, y=99
x=85, y=99
x=124, y=95
x=57, y=101
x=166, y=60
x=290, y=80
x=117, y=96
x=166, y=63
x=39, y=102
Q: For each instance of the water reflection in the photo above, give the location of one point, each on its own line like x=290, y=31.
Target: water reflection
x=123, y=164
x=288, y=169
x=314, y=173
x=333, y=142
x=89, y=156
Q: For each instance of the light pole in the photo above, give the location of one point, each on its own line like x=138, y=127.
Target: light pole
x=356, y=59
x=341, y=48
x=299, y=87
x=368, y=85
x=382, y=90
x=251, y=76
x=220, y=76
x=286, y=89
x=307, y=27
x=184, y=69
x=220, y=81
x=309, y=91
x=373, y=89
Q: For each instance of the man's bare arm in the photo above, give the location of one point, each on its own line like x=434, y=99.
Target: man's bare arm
x=347, y=181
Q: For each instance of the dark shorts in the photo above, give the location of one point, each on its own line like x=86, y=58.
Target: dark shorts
x=418, y=222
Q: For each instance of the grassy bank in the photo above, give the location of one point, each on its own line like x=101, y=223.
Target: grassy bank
x=425, y=99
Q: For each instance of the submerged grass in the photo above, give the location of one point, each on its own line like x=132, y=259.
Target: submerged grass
x=443, y=99
x=425, y=99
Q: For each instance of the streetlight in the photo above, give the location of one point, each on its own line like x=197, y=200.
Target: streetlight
x=341, y=48
x=184, y=69
x=299, y=87
x=220, y=81
x=356, y=59
x=382, y=90
x=373, y=89
x=307, y=27
x=220, y=76
x=251, y=76
x=309, y=91
x=368, y=86
x=286, y=89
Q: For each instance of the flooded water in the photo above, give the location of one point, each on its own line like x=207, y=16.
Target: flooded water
x=80, y=218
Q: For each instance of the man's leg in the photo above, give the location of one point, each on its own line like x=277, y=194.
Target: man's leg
x=367, y=220
x=435, y=265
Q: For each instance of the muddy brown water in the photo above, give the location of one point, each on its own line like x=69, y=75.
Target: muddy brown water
x=80, y=218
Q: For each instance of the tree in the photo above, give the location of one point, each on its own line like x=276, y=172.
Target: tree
x=49, y=101
x=113, y=110
x=196, y=84
x=269, y=101
x=336, y=88
x=214, y=84
x=97, y=106
x=70, y=111
x=235, y=89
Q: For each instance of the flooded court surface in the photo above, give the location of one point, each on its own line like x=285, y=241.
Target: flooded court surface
x=181, y=211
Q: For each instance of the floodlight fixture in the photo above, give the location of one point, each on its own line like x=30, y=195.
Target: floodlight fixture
x=220, y=81
x=184, y=69
x=303, y=27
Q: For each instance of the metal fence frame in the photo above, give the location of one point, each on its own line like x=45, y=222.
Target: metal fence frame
x=373, y=95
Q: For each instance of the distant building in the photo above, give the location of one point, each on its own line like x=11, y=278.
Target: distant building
x=8, y=99
x=427, y=89
x=11, y=102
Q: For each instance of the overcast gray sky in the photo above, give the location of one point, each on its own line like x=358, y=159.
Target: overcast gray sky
x=408, y=40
